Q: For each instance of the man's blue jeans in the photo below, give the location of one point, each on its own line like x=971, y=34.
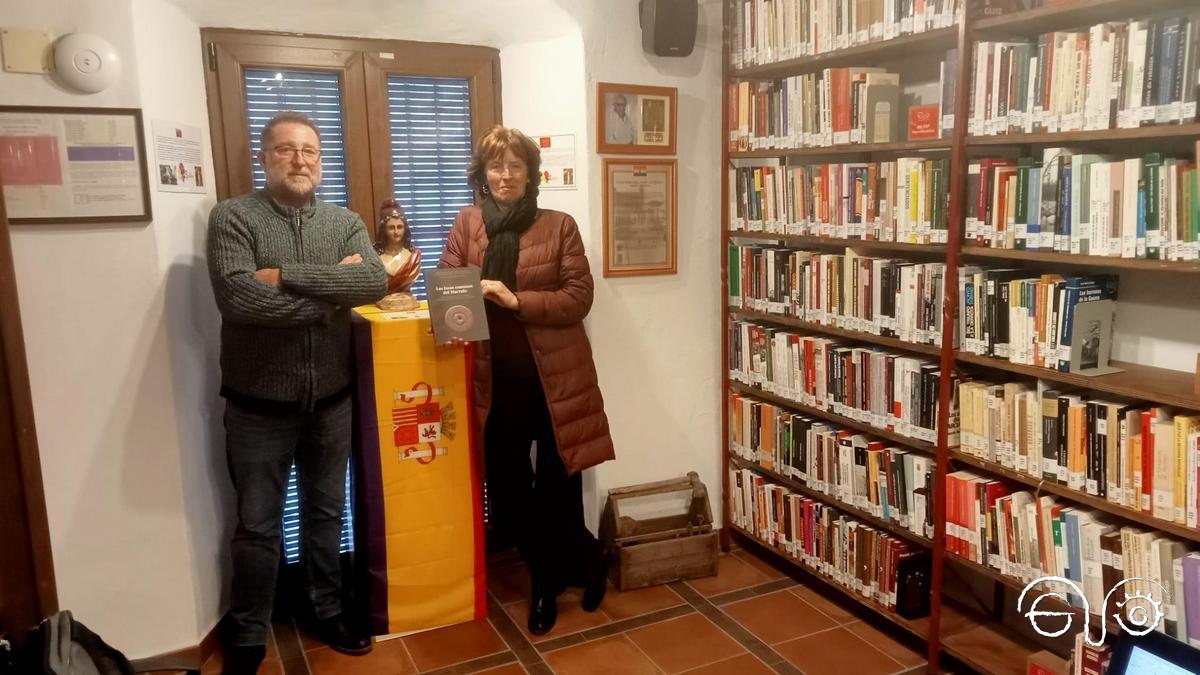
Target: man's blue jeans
x=260, y=449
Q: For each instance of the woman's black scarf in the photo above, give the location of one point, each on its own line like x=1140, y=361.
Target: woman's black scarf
x=504, y=229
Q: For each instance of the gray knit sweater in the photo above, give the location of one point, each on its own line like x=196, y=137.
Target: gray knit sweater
x=288, y=344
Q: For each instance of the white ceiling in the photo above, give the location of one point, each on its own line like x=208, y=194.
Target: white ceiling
x=493, y=23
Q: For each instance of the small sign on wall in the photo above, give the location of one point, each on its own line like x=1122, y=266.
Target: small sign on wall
x=178, y=158
x=558, y=161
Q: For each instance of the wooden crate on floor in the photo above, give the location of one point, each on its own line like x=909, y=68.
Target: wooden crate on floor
x=664, y=549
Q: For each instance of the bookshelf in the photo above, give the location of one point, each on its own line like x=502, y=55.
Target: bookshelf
x=1071, y=14
x=1123, y=512
x=1091, y=261
x=861, y=336
x=835, y=418
x=979, y=640
x=801, y=241
x=1147, y=383
x=1079, y=138
x=848, y=148
x=876, y=52
x=917, y=627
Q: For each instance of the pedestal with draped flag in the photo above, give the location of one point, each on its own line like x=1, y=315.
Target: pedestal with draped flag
x=419, y=510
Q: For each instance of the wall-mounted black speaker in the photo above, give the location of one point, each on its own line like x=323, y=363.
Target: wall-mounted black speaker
x=669, y=26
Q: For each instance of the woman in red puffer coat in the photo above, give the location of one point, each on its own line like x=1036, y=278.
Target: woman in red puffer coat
x=535, y=381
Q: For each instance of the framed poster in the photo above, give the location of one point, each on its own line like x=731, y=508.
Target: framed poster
x=73, y=165
x=636, y=119
x=639, y=217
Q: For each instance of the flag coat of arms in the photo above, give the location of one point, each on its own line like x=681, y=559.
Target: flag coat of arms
x=420, y=423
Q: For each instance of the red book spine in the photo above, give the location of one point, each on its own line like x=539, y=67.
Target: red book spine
x=840, y=83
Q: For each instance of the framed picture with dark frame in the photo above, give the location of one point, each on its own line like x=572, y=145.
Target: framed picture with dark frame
x=640, y=236
x=636, y=119
x=73, y=165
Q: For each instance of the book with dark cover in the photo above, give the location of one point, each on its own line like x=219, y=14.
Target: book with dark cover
x=996, y=308
x=1170, y=61
x=997, y=7
x=1050, y=218
x=456, y=305
x=1149, y=86
x=1021, y=219
x=1152, y=164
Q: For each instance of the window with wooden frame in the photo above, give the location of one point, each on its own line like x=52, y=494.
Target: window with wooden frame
x=398, y=120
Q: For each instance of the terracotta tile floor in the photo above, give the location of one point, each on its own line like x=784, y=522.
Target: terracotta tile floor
x=750, y=618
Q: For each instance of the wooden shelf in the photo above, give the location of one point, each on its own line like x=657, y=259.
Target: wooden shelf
x=1074, y=15
x=1147, y=383
x=1048, y=603
x=805, y=240
x=1098, y=503
x=860, y=55
x=933, y=350
x=988, y=648
x=918, y=627
x=913, y=443
x=797, y=486
x=849, y=149
x=1103, y=136
x=1187, y=266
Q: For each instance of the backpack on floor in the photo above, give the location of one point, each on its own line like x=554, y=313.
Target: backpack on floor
x=60, y=645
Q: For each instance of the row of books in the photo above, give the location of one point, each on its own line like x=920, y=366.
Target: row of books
x=905, y=200
x=768, y=31
x=881, y=296
x=844, y=550
x=1121, y=74
x=989, y=8
x=888, y=391
x=834, y=106
x=1027, y=536
x=883, y=480
x=1086, y=204
x=1031, y=319
x=1146, y=458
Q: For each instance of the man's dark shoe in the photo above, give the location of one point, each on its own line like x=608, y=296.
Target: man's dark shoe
x=336, y=633
x=543, y=612
x=596, y=585
x=242, y=660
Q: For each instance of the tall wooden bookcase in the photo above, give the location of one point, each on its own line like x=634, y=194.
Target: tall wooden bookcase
x=978, y=637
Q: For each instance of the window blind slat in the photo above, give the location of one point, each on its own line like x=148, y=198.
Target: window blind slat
x=430, y=124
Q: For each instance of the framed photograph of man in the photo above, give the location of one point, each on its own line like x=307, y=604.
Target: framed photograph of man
x=639, y=217
x=636, y=119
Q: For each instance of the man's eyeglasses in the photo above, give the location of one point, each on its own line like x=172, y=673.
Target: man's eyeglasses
x=288, y=152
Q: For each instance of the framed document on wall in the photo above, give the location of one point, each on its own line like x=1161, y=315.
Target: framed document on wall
x=635, y=119
x=639, y=217
x=73, y=165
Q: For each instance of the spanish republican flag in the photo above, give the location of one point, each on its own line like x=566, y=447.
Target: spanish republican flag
x=419, y=510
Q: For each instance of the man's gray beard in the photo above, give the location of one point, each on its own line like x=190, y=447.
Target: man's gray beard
x=287, y=192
